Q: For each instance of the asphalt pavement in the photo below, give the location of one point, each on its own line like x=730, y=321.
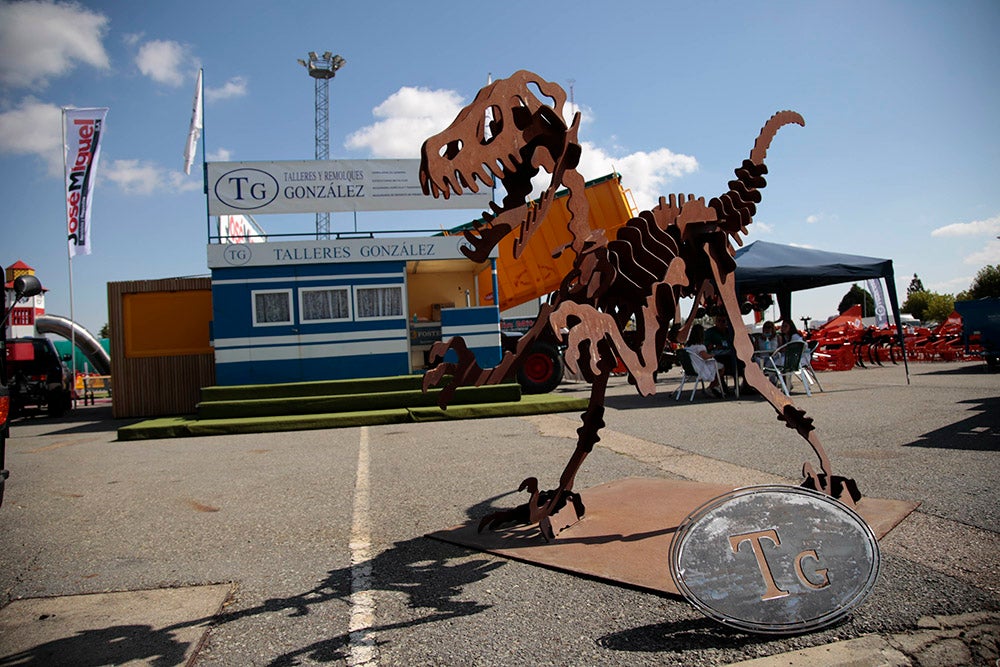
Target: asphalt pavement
x=310, y=547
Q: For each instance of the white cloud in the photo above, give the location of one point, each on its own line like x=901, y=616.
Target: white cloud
x=33, y=128
x=409, y=116
x=587, y=115
x=135, y=177
x=988, y=227
x=220, y=155
x=812, y=219
x=645, y=174
x=988, y=254
x=164, y=61
x=42, y=40
x=235, y=87
x=181, y=182
x=952, y=286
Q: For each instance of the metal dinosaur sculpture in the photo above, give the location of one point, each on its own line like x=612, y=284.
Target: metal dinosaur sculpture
x=682, y=247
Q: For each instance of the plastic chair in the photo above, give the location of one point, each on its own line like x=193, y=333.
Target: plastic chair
x=684, y=356
x=786, y=362
x=806, y=363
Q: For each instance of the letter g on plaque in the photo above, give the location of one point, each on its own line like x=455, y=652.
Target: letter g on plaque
x=774, y=559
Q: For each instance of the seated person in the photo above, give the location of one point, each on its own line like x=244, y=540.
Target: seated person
x=768, y=339
x=707, y=367
x=790, y=334
x=719, y=341
x=719, y=337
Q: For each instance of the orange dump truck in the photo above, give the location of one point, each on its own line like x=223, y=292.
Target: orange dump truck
x=537, y=273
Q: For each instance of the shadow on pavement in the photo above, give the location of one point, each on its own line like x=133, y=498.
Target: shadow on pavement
x=978, y=431
x=432, y=574
x=970, y=368
x=108, y=646
x=685, y=636
x=85, y=419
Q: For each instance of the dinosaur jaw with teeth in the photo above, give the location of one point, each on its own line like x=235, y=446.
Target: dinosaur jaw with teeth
x=506, y=135
x=517, y=212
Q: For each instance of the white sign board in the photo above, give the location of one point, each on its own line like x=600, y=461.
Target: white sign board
x=336, y=251
x=319, y=186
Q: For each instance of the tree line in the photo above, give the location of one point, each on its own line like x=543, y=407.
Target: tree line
x=925, y=305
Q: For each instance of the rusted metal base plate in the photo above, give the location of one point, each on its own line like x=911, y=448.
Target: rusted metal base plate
x=626, y=534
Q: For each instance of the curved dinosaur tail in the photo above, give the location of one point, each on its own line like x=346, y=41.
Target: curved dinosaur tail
x=737, y=207
x=771, y=127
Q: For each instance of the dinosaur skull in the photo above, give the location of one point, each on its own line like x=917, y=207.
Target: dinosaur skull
x=506, y=134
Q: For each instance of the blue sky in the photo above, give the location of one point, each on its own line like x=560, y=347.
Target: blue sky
x=899, y=157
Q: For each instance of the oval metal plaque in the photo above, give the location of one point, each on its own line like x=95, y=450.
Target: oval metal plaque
x=774, y=559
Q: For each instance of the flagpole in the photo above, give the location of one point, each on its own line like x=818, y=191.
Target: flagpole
x=69, y=261
x=204, y=157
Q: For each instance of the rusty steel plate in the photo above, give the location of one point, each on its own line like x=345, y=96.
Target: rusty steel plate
x=775, y=559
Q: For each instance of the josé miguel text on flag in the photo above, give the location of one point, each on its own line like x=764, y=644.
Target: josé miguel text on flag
x=83, y=130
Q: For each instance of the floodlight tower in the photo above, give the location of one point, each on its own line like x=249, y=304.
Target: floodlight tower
x=322, y=69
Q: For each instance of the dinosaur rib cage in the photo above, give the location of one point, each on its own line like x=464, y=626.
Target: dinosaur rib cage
x=737, y=207
x=642, y=251
x=640, y=254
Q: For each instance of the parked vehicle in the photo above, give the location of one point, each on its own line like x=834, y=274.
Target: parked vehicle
x=537, y=272
x=24, y=287
x=37, y=377
x=542, y=370
x=981, y=327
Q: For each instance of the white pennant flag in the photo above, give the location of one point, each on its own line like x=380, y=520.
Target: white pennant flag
x=881, y=316
x=195, y=132
x=82, y=132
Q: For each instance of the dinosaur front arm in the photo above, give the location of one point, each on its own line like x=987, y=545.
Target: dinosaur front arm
x=467, y=373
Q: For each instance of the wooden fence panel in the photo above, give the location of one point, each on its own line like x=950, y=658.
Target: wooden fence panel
x=147, y=384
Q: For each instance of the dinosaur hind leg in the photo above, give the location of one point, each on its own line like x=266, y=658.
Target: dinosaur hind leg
x=541, y=506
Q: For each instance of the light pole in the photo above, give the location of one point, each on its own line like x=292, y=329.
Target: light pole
x=322, y=69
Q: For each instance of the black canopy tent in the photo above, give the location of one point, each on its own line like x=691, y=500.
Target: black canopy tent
x=773, y=268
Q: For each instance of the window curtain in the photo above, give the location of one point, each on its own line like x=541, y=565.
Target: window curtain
x=380, y=302
x=325, y=305
x=272, y=307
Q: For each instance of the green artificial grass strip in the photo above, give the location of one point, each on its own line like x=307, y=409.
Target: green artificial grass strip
x=528, y=405
x=178, y=427
x=352, y=402
x=164, y=427
x=318, y=388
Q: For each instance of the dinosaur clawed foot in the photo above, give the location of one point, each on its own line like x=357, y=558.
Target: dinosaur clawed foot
x=541, y=508
x=844, y=489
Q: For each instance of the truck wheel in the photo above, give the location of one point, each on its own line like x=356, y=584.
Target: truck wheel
x=59, y=403
x=542, y=370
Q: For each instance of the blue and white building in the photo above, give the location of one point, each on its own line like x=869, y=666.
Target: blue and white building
x=343, y=308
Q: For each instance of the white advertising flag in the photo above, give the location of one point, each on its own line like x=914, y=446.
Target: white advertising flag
x=195, y=132
x=881, y=316
x=82, y=130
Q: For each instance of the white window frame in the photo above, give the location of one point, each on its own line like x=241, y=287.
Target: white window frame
x=329, y=288
x=291, y=307
x=402, y=302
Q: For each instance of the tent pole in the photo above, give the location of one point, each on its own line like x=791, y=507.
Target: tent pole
x=890, y=284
